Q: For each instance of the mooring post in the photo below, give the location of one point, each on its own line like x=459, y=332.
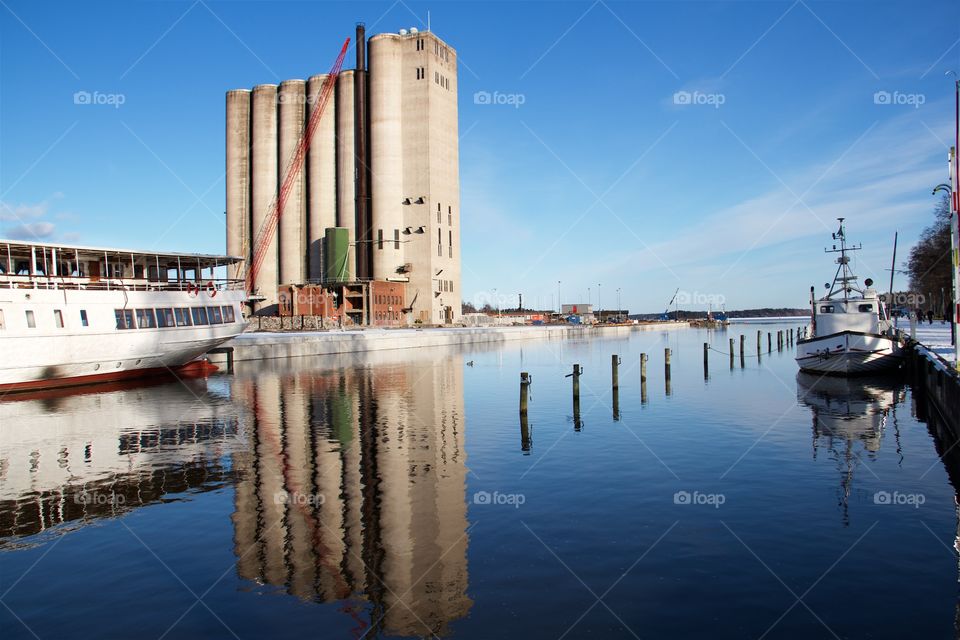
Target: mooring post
x=666, y=369
x=759, y=335
x=576, y=395
x=643, y=378
x=743, y=340
x=615, y=375
x=769, y=343
x=230, y=360
x=616, y=404
x=706, y=360
x=731, y=353
x=524, y=384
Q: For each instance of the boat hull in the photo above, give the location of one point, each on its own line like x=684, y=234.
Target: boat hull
x=849, y=353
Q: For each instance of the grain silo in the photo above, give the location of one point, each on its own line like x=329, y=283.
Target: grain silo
x=263, y=187
x=292, y=99
x=238, y=175
x=321, y=178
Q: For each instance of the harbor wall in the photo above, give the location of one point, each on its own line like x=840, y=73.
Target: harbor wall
x=262, y=346
x=939, y=383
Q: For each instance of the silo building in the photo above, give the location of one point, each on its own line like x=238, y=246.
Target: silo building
x=373, y=216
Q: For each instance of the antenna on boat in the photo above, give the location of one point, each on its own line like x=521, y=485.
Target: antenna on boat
x=844, y=276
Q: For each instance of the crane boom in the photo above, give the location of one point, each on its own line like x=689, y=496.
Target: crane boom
x=268, y=227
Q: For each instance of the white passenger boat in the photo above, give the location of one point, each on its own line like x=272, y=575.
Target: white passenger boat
x=850, y=331
x=77, y=315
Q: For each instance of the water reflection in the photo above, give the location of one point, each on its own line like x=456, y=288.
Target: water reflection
x=72, y=458
x=353, y=489
x=849, y=418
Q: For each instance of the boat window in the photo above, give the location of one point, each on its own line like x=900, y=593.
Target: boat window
x=165, y=318
x=215, y=315
x=83, y=318
x=3, y=324
x=125, y=319
x=199, y=315
x=146, y=319
x=228, y=315
x=58, y=318
x=183, y=317
x=31, y=320
x=827, y=308
x=866, y=307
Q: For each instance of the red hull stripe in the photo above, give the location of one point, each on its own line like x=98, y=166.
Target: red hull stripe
x=191, y=369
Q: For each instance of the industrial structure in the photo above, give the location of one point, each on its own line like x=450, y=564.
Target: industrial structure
x=370, y=219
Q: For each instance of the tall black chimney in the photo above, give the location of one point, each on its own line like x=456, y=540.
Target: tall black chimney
x=361, y=159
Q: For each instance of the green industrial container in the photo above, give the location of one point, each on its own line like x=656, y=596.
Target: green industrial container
x=336, y=253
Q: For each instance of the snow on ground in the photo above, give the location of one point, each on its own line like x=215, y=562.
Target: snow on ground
x=935, y=337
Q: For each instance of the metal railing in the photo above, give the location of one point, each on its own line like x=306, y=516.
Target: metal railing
x=8, y=281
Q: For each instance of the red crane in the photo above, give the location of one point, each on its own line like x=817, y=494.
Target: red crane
x=268, y=228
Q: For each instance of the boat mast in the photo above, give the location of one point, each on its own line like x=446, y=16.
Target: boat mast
x=844, y=280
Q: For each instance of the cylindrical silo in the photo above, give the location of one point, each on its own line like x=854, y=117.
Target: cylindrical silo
x=321, y=176
x=346, y=182
x=264, y=185
x=386, y=152
x=292, y=100
x=238, y=178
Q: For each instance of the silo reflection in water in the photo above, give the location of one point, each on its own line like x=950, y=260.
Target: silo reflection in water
x=353, y=488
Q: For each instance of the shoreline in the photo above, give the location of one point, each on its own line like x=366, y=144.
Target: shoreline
x=295, y=344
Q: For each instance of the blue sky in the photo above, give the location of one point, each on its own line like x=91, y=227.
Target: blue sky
x=592, y=170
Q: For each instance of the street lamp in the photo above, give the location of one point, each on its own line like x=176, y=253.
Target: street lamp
x=599, y=305
x=618, y=303
x=559, y=307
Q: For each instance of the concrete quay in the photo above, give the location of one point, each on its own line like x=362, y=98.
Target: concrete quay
x=264, y=345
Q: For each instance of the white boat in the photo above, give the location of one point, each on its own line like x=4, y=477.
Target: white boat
x=850, y=331
x=74, y=315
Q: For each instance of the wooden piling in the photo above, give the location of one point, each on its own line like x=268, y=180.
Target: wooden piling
x=769, y=343
x=614, y=373
x=616, y=404
x=643, y=368
x=731, y=353
x=706, y=360
x=524, y=394
x=743, y=340
x=666, y=363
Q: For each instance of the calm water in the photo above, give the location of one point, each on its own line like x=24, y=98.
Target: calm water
x=398, y=495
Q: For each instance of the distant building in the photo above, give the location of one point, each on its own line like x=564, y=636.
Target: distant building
x=383, y=165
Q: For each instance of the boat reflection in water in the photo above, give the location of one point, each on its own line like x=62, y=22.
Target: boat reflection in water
x=353, y=488
x=849, y=418
x=70, y=458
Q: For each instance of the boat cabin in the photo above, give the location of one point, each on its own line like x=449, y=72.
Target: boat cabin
x=37, y=265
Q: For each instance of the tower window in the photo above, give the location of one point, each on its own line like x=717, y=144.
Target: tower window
x=436, y=77
x=439, y=243
x=450, y=236
x=396, y=238
x=379, y=238
x=450, y=216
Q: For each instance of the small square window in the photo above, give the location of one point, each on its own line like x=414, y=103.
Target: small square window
x=228, y=315
x=58, y=318
x=183, y=317
x=215, y=315
x=3, y=324
x=199, y=315
x=31, y=320
x=83, y=318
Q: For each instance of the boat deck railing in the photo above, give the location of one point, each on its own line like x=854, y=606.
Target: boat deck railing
x=8, y=281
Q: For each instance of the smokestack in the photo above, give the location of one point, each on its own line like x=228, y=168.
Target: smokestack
x=361, y=158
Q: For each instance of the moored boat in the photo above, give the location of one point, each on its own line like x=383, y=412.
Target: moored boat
x=850, y=331
x=73, y=315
